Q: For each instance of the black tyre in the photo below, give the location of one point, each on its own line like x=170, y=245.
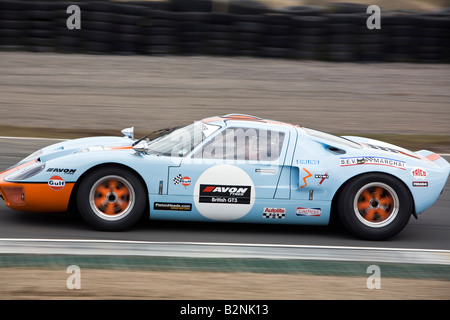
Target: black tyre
x=111, y=199
x=375, y=206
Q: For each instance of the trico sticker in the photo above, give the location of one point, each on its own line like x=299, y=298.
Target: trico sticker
x=310, y=212
x=419, y=173
x=56, y=183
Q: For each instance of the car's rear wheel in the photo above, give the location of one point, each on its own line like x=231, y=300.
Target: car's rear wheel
x=375, y=206
x=111, y=198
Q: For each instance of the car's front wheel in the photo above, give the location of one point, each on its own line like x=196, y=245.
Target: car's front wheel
x=111, y=198
x=375, y=206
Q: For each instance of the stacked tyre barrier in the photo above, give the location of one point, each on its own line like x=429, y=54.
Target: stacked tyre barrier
x=226, y=28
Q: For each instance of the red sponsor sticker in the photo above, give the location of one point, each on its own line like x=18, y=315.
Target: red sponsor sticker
x=311, y=212
x=56, y=183
x=418, y=173
x=185, y=181
x=274, y=210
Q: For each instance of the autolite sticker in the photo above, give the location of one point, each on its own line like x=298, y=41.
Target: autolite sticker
x=309, y=212
x=56, y=183
x=225, y=194
x=354, y=161
x=274, y=213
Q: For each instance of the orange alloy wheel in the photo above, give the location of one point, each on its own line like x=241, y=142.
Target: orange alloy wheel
x=376, y=204
x=112, y=198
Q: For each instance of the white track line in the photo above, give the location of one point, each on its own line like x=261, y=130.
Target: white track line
x=87, y=247
x=219, y=244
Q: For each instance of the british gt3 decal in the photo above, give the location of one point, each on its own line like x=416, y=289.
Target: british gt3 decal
x=225, y=194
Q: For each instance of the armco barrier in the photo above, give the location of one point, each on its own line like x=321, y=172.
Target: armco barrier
x=233, y=28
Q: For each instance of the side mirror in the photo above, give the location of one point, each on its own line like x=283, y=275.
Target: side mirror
x=182, y=152
x=141, y=147
x=128, y=132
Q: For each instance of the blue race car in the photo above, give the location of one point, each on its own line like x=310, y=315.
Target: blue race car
x=234, y=168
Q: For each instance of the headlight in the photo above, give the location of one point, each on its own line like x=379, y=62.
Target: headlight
x=91, y=148
x=26, y=173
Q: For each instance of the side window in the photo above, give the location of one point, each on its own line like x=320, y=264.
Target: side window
x=244, y=144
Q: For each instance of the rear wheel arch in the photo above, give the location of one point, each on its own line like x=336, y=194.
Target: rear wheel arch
x=337, y=193
x=375, y=176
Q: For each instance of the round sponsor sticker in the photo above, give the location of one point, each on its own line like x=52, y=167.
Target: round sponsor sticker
x=186, y=181
x=224, y=193
x=56, y=183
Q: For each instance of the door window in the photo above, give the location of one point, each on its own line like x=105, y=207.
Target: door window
x=238, y=143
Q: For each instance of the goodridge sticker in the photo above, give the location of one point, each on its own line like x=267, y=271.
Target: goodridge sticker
x=224, y=194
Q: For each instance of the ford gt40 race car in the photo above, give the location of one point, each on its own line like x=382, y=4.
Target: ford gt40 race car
x=234, y=168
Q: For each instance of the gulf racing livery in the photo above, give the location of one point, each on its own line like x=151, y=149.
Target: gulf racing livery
x=234, y=168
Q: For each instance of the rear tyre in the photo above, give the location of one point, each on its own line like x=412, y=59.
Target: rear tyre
x=375, y=206
x=111, y=199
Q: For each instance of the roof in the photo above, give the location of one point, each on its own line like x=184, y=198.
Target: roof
x=244, y=117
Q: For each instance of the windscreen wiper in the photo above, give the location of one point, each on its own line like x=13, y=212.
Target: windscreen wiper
x=157, y=134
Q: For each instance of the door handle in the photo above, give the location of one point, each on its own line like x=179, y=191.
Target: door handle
x=267, y=171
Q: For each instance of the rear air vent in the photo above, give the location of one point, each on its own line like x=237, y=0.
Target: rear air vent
x=335, y=150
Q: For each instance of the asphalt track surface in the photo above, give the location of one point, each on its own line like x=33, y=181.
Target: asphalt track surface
x=430, y=231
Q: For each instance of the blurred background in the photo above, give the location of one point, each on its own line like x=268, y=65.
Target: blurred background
x=159, y=64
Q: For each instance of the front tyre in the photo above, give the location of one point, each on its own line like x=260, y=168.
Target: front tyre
x=375, y=206
x=111, y=199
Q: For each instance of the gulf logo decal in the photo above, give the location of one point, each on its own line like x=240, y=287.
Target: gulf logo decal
x=56, y=183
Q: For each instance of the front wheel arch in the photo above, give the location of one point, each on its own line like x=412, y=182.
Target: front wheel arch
x=73, y=206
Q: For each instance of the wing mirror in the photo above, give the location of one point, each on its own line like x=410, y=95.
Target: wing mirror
x=141, y=148
x=128, y=132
